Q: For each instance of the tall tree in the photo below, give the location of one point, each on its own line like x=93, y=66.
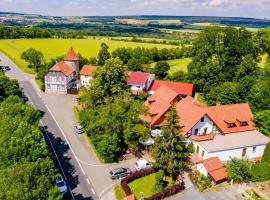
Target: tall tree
x=161, y=69
x=262, y=120
x=109, y=81
x=259, y=96
x=221, y=55
x=103, y=54
x=34, y=57
x=226, y=93
x=170, y=150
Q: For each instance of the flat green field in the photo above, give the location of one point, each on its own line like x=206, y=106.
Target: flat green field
x=57, y=47
x=177, y=64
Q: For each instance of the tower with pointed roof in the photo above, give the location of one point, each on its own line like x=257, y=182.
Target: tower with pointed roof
x=72, y=60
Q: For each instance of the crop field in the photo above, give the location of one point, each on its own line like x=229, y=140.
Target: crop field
x=58, y=47
x=147, y=22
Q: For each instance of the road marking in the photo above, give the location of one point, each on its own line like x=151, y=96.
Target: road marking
x=87, y=180
x=59, y=163
x=107, y=188
x=93, y=191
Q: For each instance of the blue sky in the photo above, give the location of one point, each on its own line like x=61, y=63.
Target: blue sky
x=240, y=8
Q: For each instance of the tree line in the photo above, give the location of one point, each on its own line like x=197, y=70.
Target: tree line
x=26, y=168
x=225, y=68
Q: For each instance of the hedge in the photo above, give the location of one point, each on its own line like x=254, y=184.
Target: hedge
x=160, y=195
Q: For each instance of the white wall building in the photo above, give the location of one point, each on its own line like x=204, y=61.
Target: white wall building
x=86, y=75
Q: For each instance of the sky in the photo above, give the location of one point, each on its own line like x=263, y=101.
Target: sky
x=233, y=8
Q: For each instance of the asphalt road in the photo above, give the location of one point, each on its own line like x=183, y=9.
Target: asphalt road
x=79, y=185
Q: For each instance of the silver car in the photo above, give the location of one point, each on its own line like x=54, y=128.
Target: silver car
x=120, y=172
x=78, y=129
x=61, y=184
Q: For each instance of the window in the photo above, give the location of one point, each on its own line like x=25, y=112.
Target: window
x=202, y=154
x=231, y=125
x=244, y=152
x=202, y=119
x=196, y=131
x=243, y=123
x=254, y=149
x=205, y=131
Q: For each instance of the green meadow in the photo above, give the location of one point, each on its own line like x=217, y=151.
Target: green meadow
x=57, y=47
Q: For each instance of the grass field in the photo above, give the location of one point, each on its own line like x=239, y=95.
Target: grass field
x=57, y=47
x=177, y=64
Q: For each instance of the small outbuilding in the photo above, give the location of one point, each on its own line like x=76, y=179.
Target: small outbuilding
x=213, y=168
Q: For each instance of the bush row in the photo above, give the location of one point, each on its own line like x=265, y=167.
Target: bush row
x=168, y=192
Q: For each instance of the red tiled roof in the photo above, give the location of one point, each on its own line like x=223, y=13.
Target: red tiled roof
x=190, y=112
x=137, y=77
x=71, y=55
x=202, y=137
x=62, y=67
x=159, y=103
x=180, y=88
x=87, y=70
x=223, y=114
x=215, y=168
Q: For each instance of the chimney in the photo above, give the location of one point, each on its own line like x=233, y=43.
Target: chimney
x=218, y=103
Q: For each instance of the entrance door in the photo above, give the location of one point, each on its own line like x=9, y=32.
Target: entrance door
x=197, y=149
x=244, y=152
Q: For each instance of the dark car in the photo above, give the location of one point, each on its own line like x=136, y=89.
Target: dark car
x=5, y=68
x=78, y=128
x=120, y=172
x=24, y=98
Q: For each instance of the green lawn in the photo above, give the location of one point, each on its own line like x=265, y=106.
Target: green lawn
x=119, y=193
x=57, y=47
x=145, y=184
x=177, y=64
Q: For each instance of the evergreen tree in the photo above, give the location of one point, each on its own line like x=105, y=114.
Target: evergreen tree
x=170, y=150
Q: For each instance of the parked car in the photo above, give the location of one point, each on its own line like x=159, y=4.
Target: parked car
x=156, y=132
x=148, y=142
x=24, y=98
x=5, y=68
x=141, y=164
x=120, y=172
x=61, y=184
x=78, y=128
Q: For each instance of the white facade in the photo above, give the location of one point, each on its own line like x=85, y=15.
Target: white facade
x=85, y=80
x=249, y=152
x=203, y=127
x=200, y=167
x=143, y=86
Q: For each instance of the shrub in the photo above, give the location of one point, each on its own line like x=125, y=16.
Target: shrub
x=260, y=171
x=266, y=154
x=160, y=182
x=238, y=170
x=167, y=192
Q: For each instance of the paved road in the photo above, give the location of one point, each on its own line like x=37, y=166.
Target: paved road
x=85, y=174
x=79, y=185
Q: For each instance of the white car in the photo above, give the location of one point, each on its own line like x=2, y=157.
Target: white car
x=156, y=132
x=61, y=184
x=141, y=164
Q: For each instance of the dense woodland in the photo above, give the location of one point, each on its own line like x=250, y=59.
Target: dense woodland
x=26, y=168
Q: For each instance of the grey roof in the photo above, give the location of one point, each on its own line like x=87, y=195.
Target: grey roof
x=235, y=140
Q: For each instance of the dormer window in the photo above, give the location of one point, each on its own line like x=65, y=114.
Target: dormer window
x=245, y=123
x=202, y=119
x=231, y=125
